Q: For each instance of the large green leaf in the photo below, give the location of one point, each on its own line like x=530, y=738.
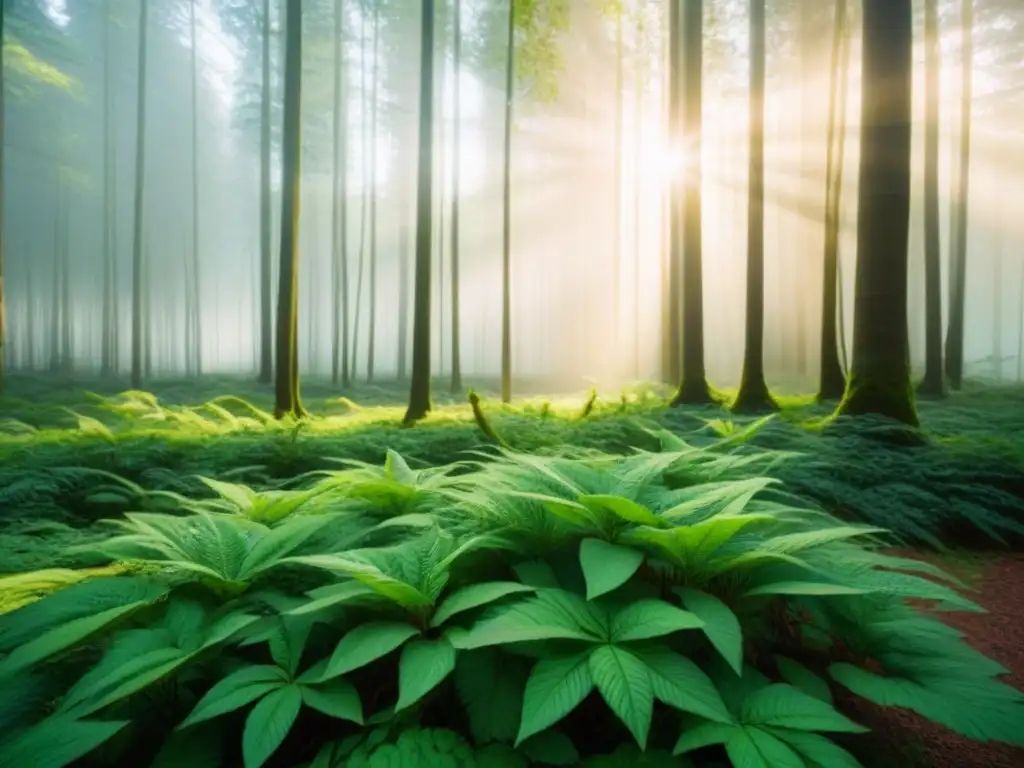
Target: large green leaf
x=816, y=749
x=133, y=676
x=720, y=624
x=367, y=643
x=808, y=588
x=333, y=595
x=337, y=698
x=625, y=685
x=490, y=685
x=753, y=748
x=421, y=668
x=474, y=596
x=624, y=508
x=703, y=734
x=238, y=689
x=554, y=689
x=269, y=723
x=645, y=619
x=551, y=615
x=607, y=566
x=783, y=706
x=57, y=742
x=680, y=683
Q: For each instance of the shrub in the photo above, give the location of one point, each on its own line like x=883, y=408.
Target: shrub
x=523, y=610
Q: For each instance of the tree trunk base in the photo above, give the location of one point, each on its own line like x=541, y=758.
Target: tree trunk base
x=931, y=387
x=693, y=391
x=893, y=400
x=754, y=398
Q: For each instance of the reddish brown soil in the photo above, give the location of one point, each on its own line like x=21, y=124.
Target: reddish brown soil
x=901, y=738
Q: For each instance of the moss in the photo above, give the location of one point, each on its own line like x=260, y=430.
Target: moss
x=881, y=396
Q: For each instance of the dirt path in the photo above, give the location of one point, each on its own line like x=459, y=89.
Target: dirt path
x=901, y=738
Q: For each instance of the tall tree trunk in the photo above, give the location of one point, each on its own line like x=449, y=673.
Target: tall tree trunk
x=54, y=341
x=66, y=337
x=617, y=179
x=266, y=370
x=286, y=373
x=363, y=209
x=506, y=249
x=106, y=346
x=638, y=158
x=372, y=324
x=958, y=276
x=339, y=208
x=147, y=309
x=403, y=282
x=456, y=381
x=140, y=178
x=932, y=385
x=419, y=390
x=196, y=343
x=880, y=376
x=31, y=316
x=753, y=394
x=694, y=386
x=831, y=379
x=674, y=315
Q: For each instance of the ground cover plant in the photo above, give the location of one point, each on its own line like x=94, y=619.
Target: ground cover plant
x=507, y=608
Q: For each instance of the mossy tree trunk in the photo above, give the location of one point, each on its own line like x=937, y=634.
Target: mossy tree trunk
x=286, y=375
x=933, y=383
x=266, y=369
x=456, y=380
x=880, y=375
x=831, y=378
x=506, y=245
x=419, y=390
x=693, y=388
x=753, y=394
x=958, y=261
x=140, y=187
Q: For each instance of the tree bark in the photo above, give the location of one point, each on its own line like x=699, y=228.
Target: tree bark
x=456, y=380
x=196, y=342
x=140, y=178
x=506, y=247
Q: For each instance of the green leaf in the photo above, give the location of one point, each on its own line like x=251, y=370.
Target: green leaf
x=332, y=595
x=554, y=689
x=784, y=706
x=475, y=596
x=490, y=685
x=62, y=637
x=623, y=508
x=269, y=723
x=809, y=588
x=626, y=687
x=367, y=643
x=130, y=678
x=239, y=496
x=754, y=748
x=422, y=667
x=57, y=742
x=337, y=698
x=551, y=615
x=235, y=691
x=537, y=574
x=397, y=469
x=681, y=684
x=550, y=747
x=703, y=734
x=800, y=677
x=649, y=618
x=720, y=625
x=607, y=566
x=816, y=749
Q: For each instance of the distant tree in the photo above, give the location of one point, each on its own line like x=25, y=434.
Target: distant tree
x=286, y=374
x=879, y=380
x=339, y=208
x=266, y=366
x=456, y=381
x=140, y=187
x=506, y=227
x=194, y=304
x=419, y=390
x=753, y=394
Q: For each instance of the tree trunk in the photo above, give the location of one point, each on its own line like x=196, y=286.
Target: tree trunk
x=880, y=374
x=693, y=387
x=456, y=381
x=958, y=276
x=363, y=210
x=753, y=394
x=106, y=346
x=266, y=370
x=419, y=390
x=339, y=209
x=674, y=339
x=506, y=248
x=638, y=158
x=286, y=374
x=372, y=323
x=617, y=179
x=54, y=345
x=66, y=337
x=932, y=385
x=831, y=379
x=140, y=178
x=196, y=342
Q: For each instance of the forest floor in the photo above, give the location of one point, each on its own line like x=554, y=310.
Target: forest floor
x=962, y=482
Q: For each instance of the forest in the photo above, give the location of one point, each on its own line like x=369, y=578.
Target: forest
x=326, y=440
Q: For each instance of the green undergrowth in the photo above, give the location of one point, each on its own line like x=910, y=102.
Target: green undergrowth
x=674, y=607
x=961, y=479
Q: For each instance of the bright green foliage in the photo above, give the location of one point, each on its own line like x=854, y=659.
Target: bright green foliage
x=494, y=613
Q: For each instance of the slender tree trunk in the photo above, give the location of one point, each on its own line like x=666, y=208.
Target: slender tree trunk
x=266, y=370
x=140, y=178
x=638, y=160
x=997, y=298
x=403, y=283
x=831, y=379
x=456, y=382
x=55, y=285
x=880, y=376
x=506, y=250
x=693, y=388
x=339, y=215
x=419, y=390
x=364, y=208
x=617, y=178
x=31, y=316
x=372, y=324
x=674, y=339
x=196, y=343
x=106, y=346
x=188, y=339
x=958, y=278
x=147, y=309
x=286, y=374
x=66, y=339
x=753, y=394
x=933, y=384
